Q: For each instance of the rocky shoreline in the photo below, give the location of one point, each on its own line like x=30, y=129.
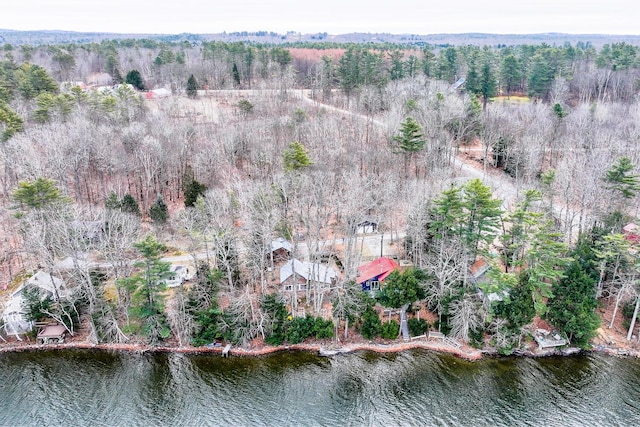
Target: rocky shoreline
x=327, y=350
x=320, y=349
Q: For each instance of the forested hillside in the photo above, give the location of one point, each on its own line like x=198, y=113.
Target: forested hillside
x=521, y=158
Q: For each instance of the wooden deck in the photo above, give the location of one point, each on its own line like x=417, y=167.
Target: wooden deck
x=546, y=339
x=445, y=339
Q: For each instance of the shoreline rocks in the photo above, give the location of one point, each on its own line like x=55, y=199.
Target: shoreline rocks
x=331, y=350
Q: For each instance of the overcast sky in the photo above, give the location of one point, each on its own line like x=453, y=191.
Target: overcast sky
x=331, y=16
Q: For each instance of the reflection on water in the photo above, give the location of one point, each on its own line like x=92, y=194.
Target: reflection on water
x=81, y=387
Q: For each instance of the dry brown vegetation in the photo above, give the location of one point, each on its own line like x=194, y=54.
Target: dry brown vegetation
x=148, y=148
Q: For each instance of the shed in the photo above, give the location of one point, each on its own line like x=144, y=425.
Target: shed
x=52, y=334
x=366, y=227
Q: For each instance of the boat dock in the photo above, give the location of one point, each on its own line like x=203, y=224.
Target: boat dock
x=225, y=350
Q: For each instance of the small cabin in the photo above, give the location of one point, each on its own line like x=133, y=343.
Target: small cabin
x=52, y=333
x=280, y=249
x=366, y=227
x=372, y=274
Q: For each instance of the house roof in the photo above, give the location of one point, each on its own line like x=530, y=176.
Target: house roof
x=379, y=268
x=70, y=263
x=632, y=233
x=179, y=273
x=13, y=317
x=158, y=93
x=478, y=268
x=280, y=243
x=310, y=271
x=52, y=331
x=45, y=282
x=13, y=305
x=367, y=223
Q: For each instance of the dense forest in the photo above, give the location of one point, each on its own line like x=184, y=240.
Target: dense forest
x=119, y=153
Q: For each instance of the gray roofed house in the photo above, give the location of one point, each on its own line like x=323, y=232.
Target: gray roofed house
x=279, y=250
x=306, y=273
x=49, y=285
x=280, y=243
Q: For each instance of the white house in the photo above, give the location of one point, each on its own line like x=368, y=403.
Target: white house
x=13, y=313
x=158, y=93
x=13, y=317
x=179, y=275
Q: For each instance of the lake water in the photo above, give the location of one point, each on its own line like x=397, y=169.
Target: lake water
x=85, y=388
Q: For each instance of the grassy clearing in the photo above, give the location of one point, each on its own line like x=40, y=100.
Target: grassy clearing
x=512, y=99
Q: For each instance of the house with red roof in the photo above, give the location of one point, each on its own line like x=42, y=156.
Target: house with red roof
x=372, y=274
x=632, y=233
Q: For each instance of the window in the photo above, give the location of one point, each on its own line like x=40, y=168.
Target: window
x=374, y=285
x=302, y=286
x=288, y=287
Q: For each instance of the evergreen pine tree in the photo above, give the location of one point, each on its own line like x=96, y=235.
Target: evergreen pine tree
x=371, y=324
x=129, y=205
x=134, y=78
x=296, y=157
x=12, y=122
x=146, y=289
x=192, y=87
x=572, y=309
x=488, y=83
x=159, y=212
x=117, y=77
x=620, y=179
x=510, y=74
x=194, y=190
x=113, y=201
x=409, y=141
x=236, y=75
x=38, y=194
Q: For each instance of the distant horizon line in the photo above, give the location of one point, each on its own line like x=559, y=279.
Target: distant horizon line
x=321, y=32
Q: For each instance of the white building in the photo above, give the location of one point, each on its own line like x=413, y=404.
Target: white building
x=13, y=314
x=179, y=275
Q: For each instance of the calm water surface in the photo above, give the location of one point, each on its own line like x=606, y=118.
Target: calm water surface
x=84, y=388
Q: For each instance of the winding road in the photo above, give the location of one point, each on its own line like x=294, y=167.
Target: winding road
x=503, y=186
